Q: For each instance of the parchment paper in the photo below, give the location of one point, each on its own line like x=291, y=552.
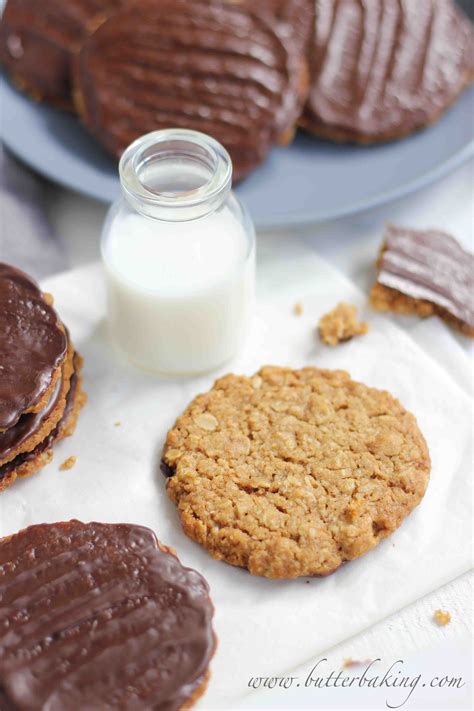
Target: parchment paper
x=264, y=627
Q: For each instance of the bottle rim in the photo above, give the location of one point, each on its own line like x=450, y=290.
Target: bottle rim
x=174, y=144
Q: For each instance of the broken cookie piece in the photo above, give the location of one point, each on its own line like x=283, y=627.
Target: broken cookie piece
x=341, y=324
x=426, y=273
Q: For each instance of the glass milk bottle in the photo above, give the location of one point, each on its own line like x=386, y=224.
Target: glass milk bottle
x=179, y=256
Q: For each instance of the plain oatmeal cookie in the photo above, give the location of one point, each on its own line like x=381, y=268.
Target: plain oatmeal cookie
x=292, y=472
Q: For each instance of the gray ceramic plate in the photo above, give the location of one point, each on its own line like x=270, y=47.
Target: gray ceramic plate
x=310, y=181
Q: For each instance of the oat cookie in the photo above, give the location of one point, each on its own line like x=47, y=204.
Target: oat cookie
x=292, y=472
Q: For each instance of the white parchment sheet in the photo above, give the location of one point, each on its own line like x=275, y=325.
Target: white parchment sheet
x=264, y=627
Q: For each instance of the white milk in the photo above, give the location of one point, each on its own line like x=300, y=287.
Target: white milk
x=180, y=294
x=179, y=255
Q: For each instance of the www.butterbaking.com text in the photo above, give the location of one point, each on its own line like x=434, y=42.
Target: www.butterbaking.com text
x=391, y=678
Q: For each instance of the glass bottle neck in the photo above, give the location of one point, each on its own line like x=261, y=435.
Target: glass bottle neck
x=175, y=175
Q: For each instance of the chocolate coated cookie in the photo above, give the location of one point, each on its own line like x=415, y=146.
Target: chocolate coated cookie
x=209, y=66
x=426, y=273
x=29, y=462
x=33, y=346
x=38, y=39
x=380, y=69
x=100, y=616
x=32, y=428
x=295, y=18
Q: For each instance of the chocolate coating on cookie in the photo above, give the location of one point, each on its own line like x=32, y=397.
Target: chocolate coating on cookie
x=100, y=616
x=426, y=272
x=33, y=427
x=27, y=425
x=28, y=462
x=295, y=18
x=292, y=472
x=38, y=40
x=209, y=66
x=46, y=443
x=33, y=344
x=380, y=69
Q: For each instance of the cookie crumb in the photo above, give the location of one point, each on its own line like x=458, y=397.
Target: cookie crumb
x=117, y=424
x=341, y=324
x=441, y=617
x=348, y=662
x=298, y=309
x=68, y=463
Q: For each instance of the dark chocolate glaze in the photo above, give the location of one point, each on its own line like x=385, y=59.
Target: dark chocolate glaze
x=165, y=468
x=382, y=68
x=32, y=344
x=48, y=441
x=429, y=265
x=27, y=425
x=295, y=18
x=209, y=66
x=98, y=616
x=38, y=40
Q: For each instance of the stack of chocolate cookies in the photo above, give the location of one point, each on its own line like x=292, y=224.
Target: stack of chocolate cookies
x=40, y=382
x=247, y=73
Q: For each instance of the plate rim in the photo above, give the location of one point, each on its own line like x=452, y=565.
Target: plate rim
x=283, y=222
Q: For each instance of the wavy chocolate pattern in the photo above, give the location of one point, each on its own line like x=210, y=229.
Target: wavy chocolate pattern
x=432, y=266
x=208, y=66
x=99, y=616
x=295, y=18
x=381, y=69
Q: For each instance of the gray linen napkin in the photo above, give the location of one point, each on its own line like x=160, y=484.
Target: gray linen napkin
x=26, y=238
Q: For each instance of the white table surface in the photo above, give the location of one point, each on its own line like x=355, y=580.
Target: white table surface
x=411, y=635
